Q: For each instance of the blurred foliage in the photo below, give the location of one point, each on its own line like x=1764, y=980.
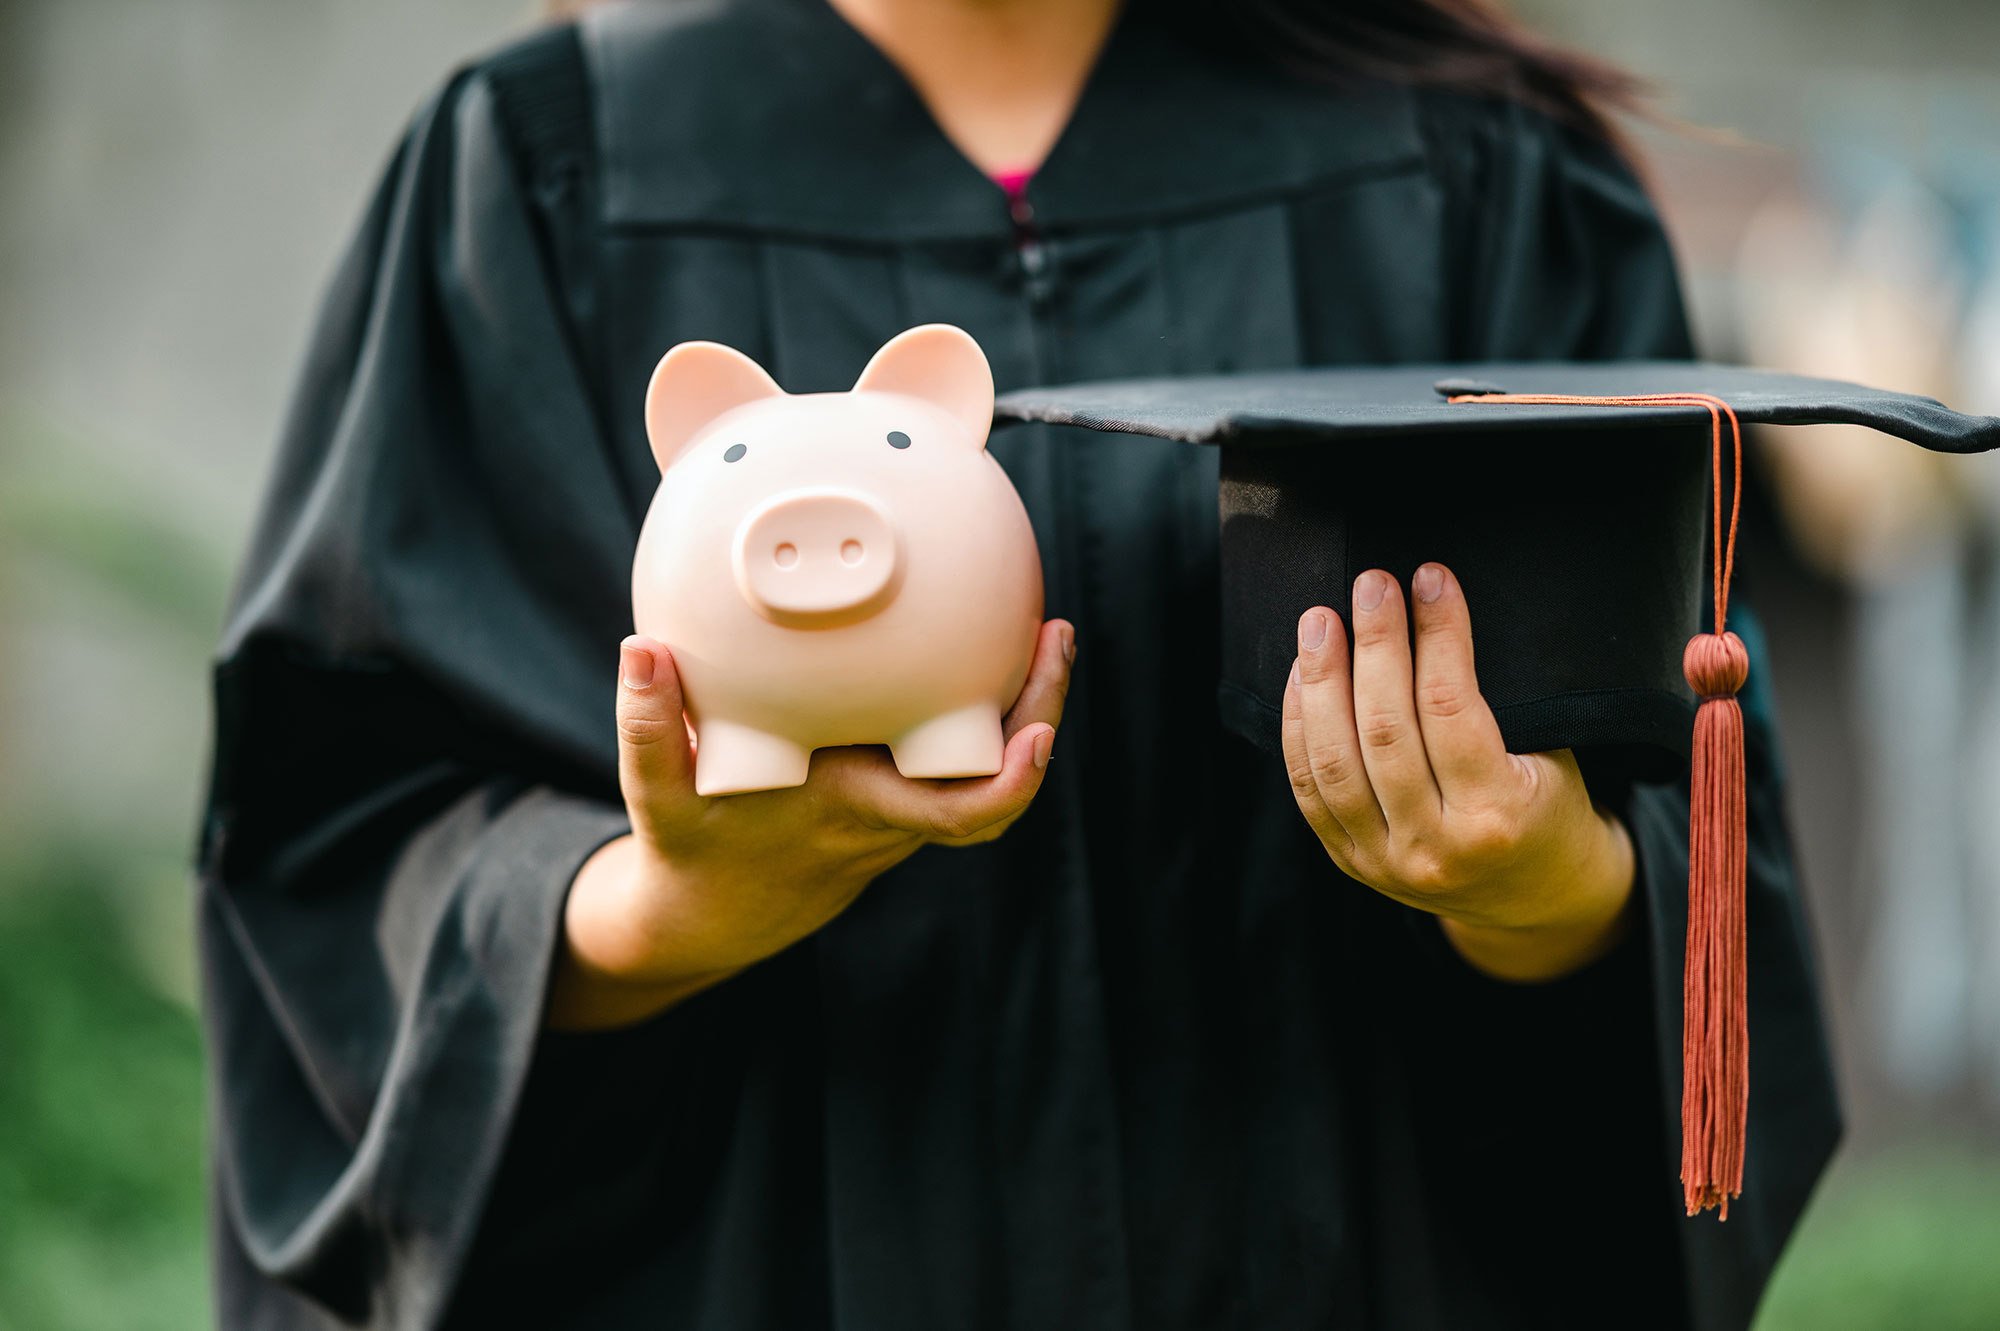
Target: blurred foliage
x=62, y=501
x=102, y=1199
x=101, y=1193
x=1909, y=1239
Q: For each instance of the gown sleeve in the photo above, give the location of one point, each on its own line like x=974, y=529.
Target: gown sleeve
x=414, y=746
x=1558, y=254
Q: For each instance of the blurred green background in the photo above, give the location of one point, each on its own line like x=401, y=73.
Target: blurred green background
x=180, y=174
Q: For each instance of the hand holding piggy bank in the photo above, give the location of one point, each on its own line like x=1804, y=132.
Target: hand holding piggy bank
x=836, y=568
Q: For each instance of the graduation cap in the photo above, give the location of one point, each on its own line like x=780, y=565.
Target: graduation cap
x=1577, y=504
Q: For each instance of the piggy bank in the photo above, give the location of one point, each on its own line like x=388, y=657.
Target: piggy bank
x=836, y=568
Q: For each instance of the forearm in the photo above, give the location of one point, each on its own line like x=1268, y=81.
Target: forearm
x=642, y=933
x=599, y=981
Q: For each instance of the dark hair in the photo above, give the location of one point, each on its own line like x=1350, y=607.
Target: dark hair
x=1470, y=46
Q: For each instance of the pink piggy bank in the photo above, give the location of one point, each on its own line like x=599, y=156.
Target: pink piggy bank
x=836, y=568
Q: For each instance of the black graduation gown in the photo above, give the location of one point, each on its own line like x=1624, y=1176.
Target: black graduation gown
x=1148, y=1061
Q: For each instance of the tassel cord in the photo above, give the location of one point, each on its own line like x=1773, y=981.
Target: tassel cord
x=1715, y=1040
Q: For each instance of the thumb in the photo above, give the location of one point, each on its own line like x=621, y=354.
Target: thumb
x=654, y=763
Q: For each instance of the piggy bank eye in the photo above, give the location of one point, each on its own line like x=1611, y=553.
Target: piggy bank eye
x=897, y=439
x=734, y=453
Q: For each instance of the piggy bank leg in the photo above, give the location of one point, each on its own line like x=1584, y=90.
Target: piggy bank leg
x=967, y=742
x=730, y=759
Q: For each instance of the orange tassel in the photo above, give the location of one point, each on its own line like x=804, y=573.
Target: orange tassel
x=1715, y=1037
x=1715, y=1019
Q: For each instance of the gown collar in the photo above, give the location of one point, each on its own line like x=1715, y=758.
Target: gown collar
x=776, y=116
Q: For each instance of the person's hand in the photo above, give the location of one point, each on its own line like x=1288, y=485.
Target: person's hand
x=704, y=887
x=1399, y=766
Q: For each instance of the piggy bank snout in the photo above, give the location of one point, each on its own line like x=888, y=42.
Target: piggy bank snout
x=818, y=557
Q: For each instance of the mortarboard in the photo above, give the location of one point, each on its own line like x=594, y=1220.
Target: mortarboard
x=1573, y=502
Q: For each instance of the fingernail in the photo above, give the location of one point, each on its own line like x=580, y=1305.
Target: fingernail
x=1045, y=745
x=635, y=665
x=1295, y=673
x=1369, y=590
x=1069, y=646
x=1312, y=631
x=1429, y=583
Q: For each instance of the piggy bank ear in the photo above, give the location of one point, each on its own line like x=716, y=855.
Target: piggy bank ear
x=940, y=364
x=693, y=384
